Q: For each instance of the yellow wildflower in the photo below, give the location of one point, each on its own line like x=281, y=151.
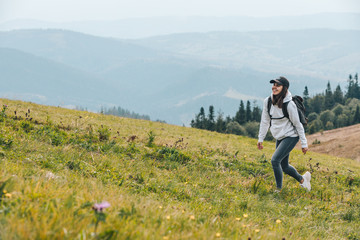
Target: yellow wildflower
x=218, y=235
x=8, y=195
x=278, y=221
x=168, y=217
x=245, y=215
x=237, y=219
x=257, y=230
x=192, y=217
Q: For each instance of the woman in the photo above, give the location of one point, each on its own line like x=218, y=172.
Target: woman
x=286, y=131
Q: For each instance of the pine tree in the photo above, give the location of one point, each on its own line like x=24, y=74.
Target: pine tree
x=248, y=113
x=338, y=95
x=317, y=103
x=350, y=88
x=256, y=114
x=329, y=100
x=240, y=116
x=356, y=87
x=220, y=124
x=211, y=119
x=306, y=99
x=196, y=123
x=202, y=119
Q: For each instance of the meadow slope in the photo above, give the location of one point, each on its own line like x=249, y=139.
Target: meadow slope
x=161, y=181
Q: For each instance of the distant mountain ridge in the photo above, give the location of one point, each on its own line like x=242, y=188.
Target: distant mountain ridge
x=34, y=78
x=153, y=26
x=320, y=53
x=171, y=77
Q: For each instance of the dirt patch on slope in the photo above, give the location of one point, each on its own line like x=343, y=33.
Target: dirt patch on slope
x=341, y=142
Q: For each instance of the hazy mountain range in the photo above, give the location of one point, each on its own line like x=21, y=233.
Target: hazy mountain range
x=170, y=77
x=152, y=26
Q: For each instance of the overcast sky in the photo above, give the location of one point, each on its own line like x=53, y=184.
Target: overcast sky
x=69, y=10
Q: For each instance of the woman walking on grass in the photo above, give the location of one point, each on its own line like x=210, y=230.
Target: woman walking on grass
x=286, y=131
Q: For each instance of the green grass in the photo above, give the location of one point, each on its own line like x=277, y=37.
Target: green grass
x=162, y=181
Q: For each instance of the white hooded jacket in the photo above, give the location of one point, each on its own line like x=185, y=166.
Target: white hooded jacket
x=285, y=127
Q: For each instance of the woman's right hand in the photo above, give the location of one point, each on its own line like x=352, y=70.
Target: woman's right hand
x=260, y=146
x=304, y=150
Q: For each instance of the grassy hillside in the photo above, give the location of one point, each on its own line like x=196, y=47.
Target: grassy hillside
x=161, y=181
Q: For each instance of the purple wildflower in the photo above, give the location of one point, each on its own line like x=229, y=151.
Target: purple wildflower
x=98, y=207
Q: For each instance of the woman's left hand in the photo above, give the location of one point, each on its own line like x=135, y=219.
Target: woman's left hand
x=304, y=150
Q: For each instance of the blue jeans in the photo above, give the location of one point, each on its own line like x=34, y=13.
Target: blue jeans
x=280, y=160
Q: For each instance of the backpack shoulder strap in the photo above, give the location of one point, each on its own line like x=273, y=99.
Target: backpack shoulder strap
x=285, y=110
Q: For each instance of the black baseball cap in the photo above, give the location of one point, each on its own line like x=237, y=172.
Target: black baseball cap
x=281, y=81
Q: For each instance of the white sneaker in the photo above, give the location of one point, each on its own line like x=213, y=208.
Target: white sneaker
x=306, y=184
x=307, y=176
